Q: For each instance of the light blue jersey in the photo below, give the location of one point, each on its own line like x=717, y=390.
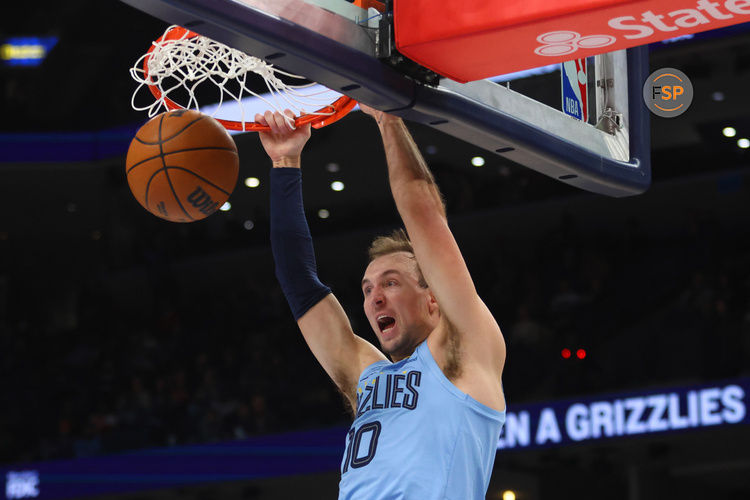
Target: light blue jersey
x=416, y=436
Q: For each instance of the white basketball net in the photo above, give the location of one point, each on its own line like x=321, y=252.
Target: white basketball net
x=178, y=67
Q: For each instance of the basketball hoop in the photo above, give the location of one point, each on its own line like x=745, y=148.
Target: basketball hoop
x=180, y=61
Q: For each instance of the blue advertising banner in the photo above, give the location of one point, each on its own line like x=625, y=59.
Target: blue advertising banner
x=527, y=427
x=261, y=457
x=644, y=412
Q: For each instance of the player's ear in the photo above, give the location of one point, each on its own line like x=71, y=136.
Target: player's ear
x=432, y=304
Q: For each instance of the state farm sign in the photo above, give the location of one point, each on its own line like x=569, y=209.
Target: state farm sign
x=702, y=14
x=476, y=39
x=647, y=24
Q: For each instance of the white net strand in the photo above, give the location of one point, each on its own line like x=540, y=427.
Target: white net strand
x=183, y=64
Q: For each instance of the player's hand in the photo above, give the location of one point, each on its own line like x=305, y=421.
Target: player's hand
x=380, y=116
x=282, y=143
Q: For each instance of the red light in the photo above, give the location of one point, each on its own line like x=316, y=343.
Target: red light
x=581, y=353
x=565, y=353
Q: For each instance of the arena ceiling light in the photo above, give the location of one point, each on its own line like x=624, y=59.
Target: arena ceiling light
x=477, y=161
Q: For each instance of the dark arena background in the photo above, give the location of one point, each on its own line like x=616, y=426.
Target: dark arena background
x=142, y=359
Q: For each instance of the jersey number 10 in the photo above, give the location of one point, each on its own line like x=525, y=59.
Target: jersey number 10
x=353, y=457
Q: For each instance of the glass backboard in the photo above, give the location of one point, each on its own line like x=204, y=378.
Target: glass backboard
x=350, y=50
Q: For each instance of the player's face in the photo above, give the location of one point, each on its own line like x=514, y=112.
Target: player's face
x=401, y=313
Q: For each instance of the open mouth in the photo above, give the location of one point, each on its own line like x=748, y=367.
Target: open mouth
x=385, y=323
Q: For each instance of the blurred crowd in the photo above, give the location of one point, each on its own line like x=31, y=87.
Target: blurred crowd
x=150, y=357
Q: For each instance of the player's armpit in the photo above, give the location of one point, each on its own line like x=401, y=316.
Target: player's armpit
x=341, y=353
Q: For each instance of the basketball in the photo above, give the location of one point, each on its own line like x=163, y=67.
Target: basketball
x=182, y=166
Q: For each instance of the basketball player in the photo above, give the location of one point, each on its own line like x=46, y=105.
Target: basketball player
x=427, y=421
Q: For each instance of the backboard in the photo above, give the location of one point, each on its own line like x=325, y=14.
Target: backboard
x=351, y=50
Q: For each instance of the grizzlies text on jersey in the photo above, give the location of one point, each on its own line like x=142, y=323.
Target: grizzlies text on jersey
x=416, y=436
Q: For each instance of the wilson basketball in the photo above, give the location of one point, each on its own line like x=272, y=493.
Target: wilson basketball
x=182, y=166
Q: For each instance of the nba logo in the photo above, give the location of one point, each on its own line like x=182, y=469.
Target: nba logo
x=574, y=85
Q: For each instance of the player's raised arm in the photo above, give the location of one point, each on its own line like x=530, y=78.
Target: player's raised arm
x=321, y=319
x=418, y=199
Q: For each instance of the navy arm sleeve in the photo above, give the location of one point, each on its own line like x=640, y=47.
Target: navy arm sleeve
x=292, y=244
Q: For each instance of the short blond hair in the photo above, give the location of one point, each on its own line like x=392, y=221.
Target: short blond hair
x=397, y=241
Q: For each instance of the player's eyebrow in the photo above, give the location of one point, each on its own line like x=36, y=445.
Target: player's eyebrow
x=387, y=271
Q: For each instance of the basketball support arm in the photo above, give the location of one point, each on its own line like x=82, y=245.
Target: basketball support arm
x=338, y=51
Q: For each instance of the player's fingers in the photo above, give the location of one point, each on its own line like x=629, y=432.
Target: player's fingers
x=271, y=122
x=261, y=120
x=281, y=123
x=289, y=119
